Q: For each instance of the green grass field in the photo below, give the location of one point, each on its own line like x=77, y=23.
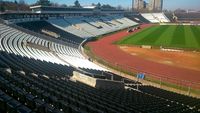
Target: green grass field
x=176, y=36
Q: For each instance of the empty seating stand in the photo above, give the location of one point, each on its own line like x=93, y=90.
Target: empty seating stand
x=38, y=26
x=139, y=18
x=54, y=94
x=190, y=101
x=155, y=17
x=15, y=41
x=88, y=27
x=19, y=63
x=34, y=80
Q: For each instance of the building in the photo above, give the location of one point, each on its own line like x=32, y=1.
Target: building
x=155, y=5
x=74, y=11
x=138, y=4
x=158, y=5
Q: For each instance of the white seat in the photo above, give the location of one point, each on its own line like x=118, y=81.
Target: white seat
x=87, y=27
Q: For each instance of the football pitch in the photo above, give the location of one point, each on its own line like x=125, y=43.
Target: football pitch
x=176, y=36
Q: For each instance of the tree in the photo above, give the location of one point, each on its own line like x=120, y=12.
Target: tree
x=180, y=10
x=119, y=7
x=21, y=2
x=93, y=4
x=63, y=5
x=107, y=6
x=15, y=2
x=77, y=4
x=2, y=9
x=165, y=10
x=98, y=6
x=43, y=2
x=55, y=4
x=13, y=6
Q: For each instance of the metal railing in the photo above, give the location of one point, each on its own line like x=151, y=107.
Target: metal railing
x=160, y=79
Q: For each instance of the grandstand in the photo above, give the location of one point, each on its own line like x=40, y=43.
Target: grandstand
x=14, y=43
x=138, y=18
x=156, y=17
x=91, y=27
x=193, y=16
x=38, y=26
x=40, y=51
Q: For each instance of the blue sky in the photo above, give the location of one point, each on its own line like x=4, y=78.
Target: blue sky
x=168, y=4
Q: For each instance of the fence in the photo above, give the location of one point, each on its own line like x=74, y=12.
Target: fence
x=162, y=80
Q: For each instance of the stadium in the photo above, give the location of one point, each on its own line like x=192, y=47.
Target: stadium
x=98, y=59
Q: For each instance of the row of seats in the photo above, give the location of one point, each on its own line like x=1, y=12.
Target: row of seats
x=33, y=80
x=9, y=60
x=9, y=104
x=14, y=41
x=38, y=26
x=87, y=27
x=80, y=62
x=190, y=101
x=170, y=16
x=56, y=95
x=139, y=18
x=155, y=17
x=68, y=27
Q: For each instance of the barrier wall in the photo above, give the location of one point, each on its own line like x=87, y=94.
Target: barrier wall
x=96, y=82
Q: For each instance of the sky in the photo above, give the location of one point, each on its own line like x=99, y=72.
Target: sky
x=168, y=4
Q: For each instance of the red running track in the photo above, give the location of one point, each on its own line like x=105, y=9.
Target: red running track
x=105, y=49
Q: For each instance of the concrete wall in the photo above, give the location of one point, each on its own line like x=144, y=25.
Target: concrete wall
x=108, y=84
x=97, y=83
x=84, y=79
